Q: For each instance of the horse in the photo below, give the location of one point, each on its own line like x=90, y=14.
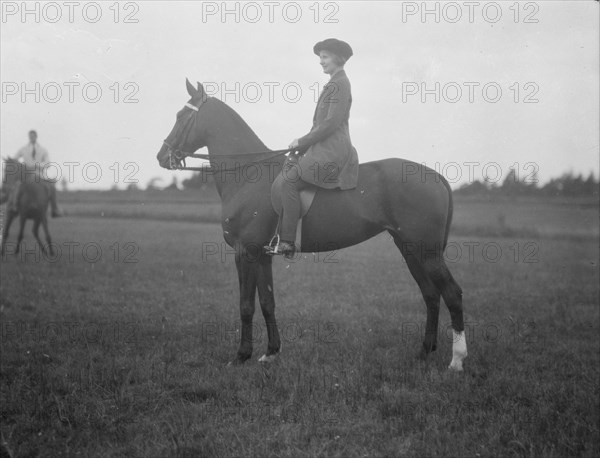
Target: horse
x=32, y=200
x=408, y=200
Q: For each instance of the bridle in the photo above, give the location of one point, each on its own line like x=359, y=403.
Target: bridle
x=177, y=156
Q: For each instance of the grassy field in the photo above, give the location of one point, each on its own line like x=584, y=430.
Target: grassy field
x=118, y=345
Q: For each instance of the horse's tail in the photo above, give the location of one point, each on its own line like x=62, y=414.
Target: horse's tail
x=450, y=210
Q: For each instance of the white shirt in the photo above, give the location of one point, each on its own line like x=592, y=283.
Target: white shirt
x=26, y=153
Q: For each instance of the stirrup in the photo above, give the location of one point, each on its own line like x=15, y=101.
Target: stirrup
x=287, y=249
x=273, y=247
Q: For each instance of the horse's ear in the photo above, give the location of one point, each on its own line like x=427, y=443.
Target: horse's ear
x=190, y=88
x=200, y=89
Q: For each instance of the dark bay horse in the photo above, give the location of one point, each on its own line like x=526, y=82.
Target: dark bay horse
x=411, y=202
x=32, y=203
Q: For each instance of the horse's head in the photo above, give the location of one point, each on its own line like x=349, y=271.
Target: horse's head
x=187, y=134
x=11, y=172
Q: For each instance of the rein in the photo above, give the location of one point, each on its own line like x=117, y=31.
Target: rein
x=180, y=163
x=177, y=157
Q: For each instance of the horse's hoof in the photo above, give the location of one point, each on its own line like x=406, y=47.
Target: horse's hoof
x=426, y=350
x=238, y=361
x=268, y=359
x=456, y=366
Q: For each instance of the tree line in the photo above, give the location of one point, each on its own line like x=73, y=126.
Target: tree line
x=567, y=185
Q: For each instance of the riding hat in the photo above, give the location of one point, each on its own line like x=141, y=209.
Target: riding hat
x=337, y=47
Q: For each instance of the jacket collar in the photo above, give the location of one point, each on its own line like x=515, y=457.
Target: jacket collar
x=338, y=75
x=333, y=79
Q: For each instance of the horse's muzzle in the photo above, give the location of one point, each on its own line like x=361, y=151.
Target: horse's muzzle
x=169, y=158
x=164, y=157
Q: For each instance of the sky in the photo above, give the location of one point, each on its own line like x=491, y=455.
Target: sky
x=468, y=88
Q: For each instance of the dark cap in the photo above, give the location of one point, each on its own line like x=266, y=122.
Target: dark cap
x=337, y=47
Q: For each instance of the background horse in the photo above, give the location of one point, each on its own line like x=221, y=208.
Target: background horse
x=32, y=203
x=410, y=201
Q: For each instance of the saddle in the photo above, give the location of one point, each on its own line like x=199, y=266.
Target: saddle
x=306, y=199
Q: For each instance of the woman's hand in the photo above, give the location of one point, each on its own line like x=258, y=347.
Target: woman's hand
x=294, y=144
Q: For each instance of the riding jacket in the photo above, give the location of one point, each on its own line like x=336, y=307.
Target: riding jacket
x=330, y=160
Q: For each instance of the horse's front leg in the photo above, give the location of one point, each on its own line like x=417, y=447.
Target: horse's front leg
x=21, y=233
x=267, y=305
x=247, y=274
x=10, y=215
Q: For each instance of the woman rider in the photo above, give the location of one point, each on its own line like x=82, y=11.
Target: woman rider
x=330, y=161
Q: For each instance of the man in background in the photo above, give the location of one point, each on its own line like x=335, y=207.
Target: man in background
x=35, y=158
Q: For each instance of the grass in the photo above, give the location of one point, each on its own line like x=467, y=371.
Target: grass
x=497, y=217
x=124, y=354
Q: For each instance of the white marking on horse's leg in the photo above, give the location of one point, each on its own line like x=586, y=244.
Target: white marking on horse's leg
x=459, y=350
x=269, y=359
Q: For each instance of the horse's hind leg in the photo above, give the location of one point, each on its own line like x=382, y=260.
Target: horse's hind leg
x=47, y=235
x=436, y=269
x=36, y=233
x=431, y=296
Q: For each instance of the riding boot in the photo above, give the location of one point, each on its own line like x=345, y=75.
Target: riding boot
x=291, y=209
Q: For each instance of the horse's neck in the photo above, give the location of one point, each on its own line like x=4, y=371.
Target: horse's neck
x=230, y=134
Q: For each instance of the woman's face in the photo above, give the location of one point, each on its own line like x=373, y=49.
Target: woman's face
x=328, y=62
